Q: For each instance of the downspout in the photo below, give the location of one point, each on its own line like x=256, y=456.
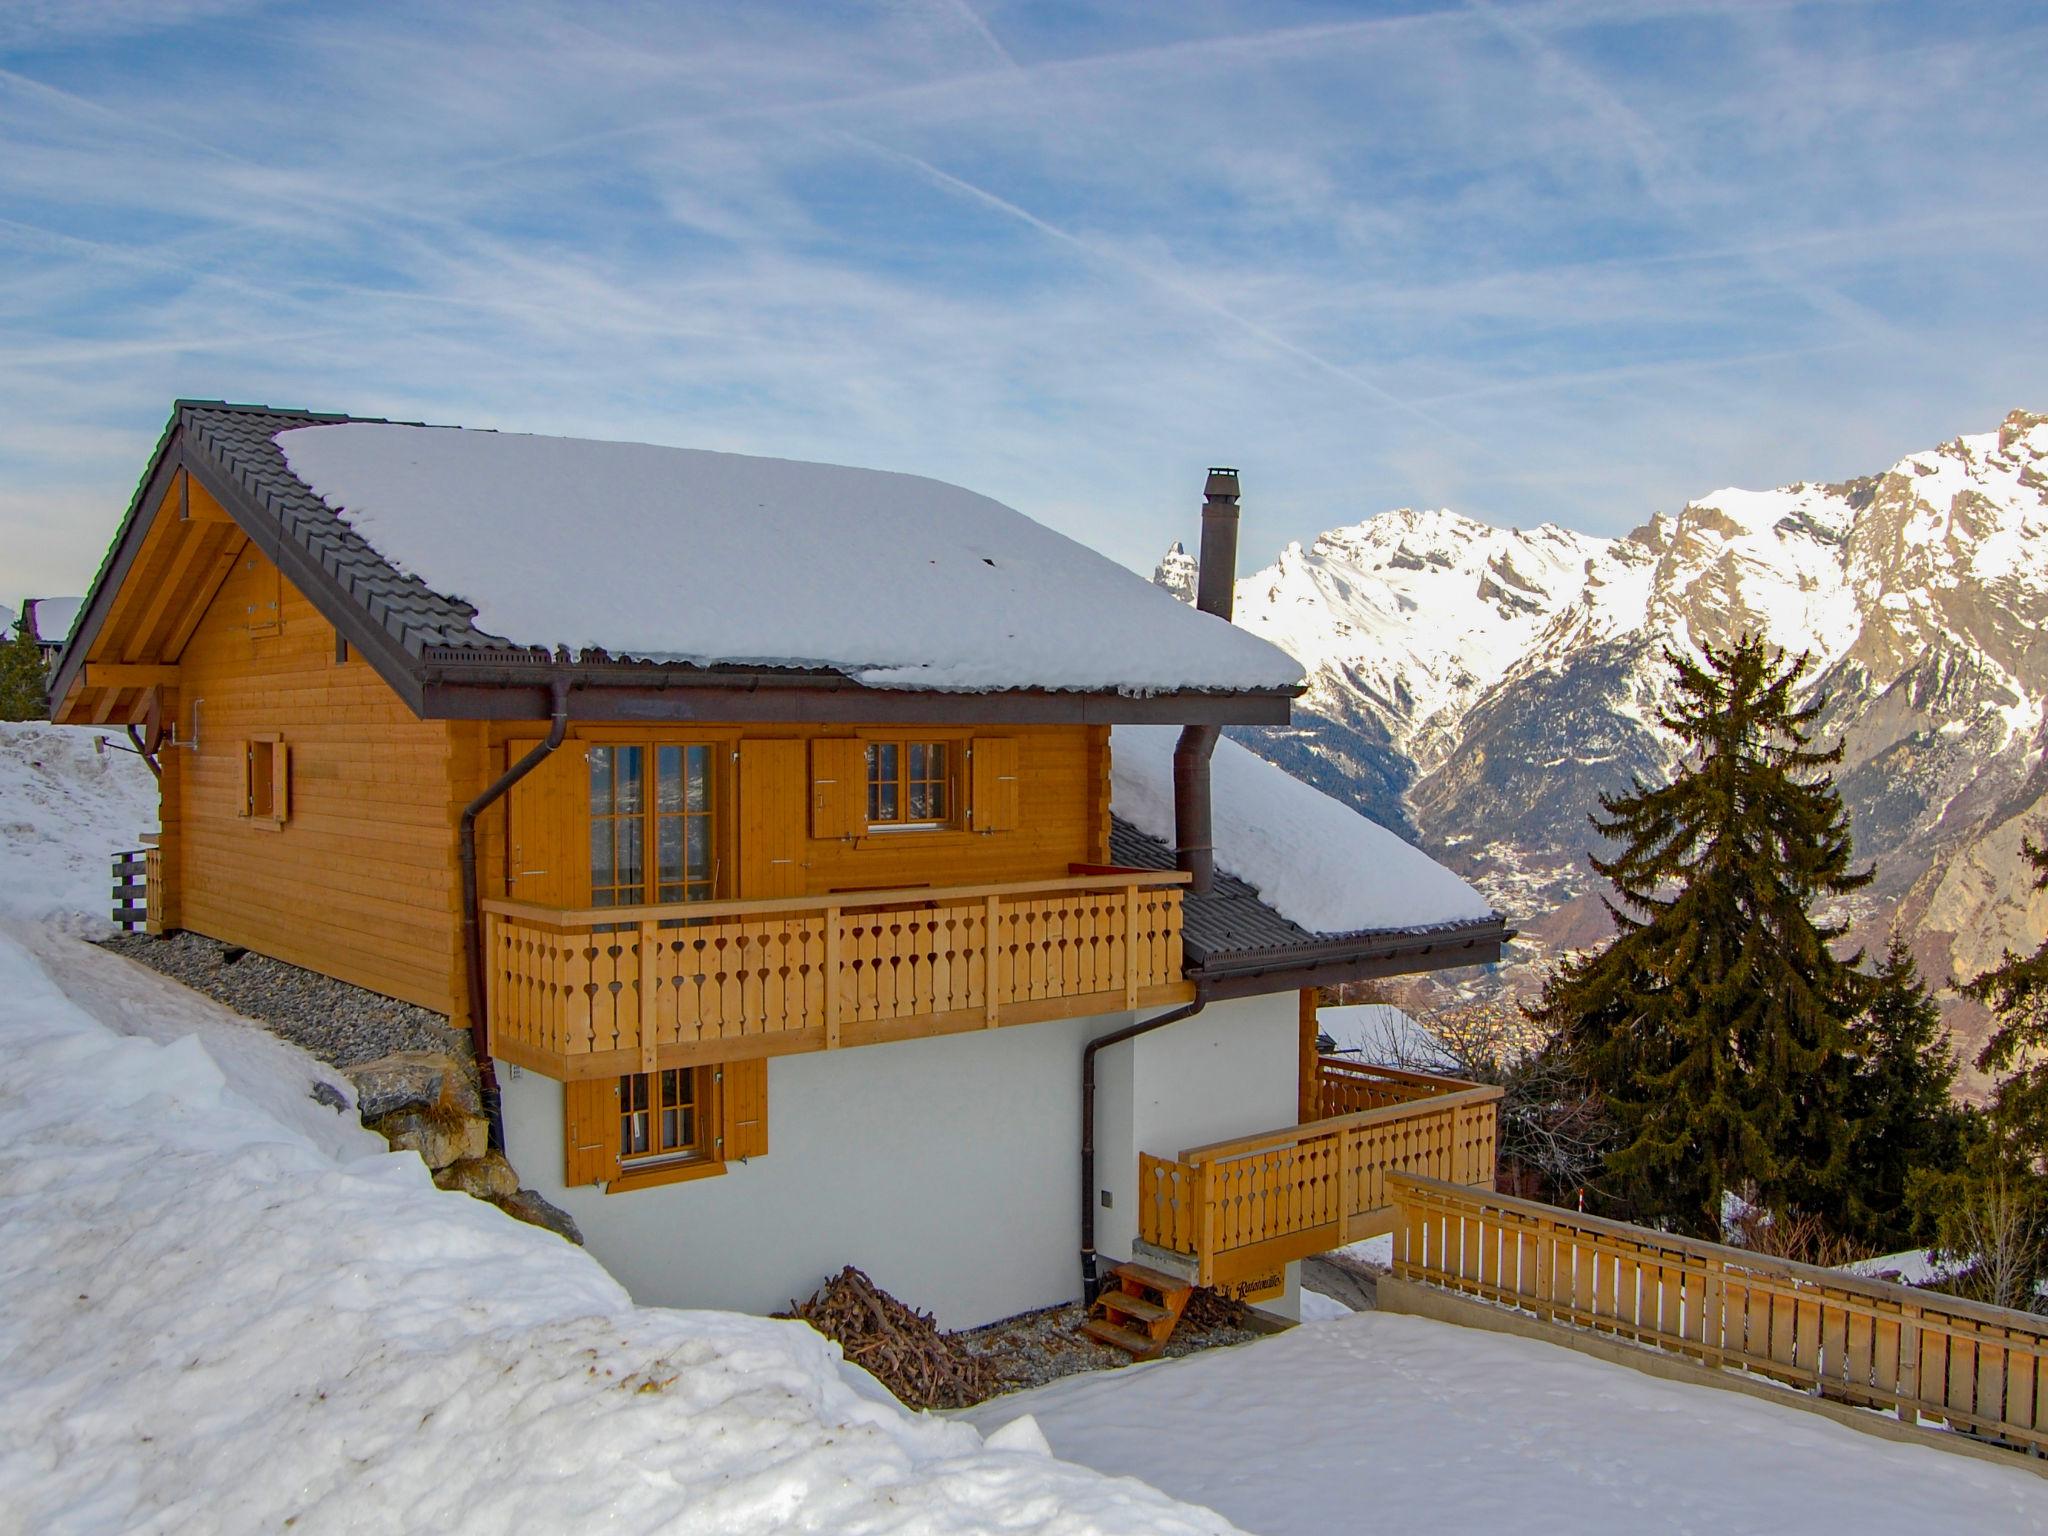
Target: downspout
x=472, y=930
x=1091, y=1283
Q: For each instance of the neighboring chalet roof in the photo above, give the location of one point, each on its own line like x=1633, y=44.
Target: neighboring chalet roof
x=51, y=618
x=471, y=567
x=1304, y=884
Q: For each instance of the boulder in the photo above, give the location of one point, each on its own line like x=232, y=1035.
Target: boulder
x=441, y=1136
x=529, y=1207
x=483, y=1177
x=414, y=1080
x=328, y=1095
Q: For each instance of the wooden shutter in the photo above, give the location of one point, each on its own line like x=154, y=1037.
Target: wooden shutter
x=771, y=819
x=744, y=1085
x=839, y=787
x=548, y=861
x=280, y=781
x=995, y=783
x=590, y=1131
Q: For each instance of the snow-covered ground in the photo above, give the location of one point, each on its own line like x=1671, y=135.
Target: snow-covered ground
x=1384, y=1423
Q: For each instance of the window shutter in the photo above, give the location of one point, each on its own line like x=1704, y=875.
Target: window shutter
x=590, y=1131
x=839, y=787
x=280, y=781
x=248, y=779
x=995, y=784
x=745, y=1107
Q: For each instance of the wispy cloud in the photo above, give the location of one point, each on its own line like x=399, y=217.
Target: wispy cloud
x=1572, y=259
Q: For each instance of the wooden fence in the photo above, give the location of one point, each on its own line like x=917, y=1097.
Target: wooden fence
x=1345, y=1087
x=585, y=993
x=1246, y=1208
x=1867, y=1342
x=137, y=890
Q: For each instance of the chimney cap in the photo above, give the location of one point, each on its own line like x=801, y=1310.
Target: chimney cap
x=1222, y=482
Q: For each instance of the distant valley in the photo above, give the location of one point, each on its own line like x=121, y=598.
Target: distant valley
x=1477, y=688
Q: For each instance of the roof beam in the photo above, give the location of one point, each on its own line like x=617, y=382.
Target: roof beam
x=209, y=586
x=122, y=674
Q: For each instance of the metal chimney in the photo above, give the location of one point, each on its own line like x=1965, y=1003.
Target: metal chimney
x=1216, y=581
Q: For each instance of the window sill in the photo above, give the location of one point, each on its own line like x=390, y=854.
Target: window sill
x=665, y=1173
x=882, y=835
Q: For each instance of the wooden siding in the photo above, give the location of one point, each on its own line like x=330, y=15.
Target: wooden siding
x=1974, y=1367
x=359, y=881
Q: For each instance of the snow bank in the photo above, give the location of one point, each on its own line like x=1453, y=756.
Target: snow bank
x=1313, y=859
x=679, y=554
x=65, y=811
x=213, y=1324
x=1384, y=1423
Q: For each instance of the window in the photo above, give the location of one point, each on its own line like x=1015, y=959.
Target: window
x=266, y=781
x=659, y=1115
x=650, y=842
x=910, y=783
x=648, y=1128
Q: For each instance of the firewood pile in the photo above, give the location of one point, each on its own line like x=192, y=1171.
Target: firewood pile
x=899, y=1346
x=1212, y=1310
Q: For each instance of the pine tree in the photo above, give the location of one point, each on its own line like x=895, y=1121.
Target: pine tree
x=1903, y=1117
x=23, y=681
x=2016, y=991
x=1714, y=1023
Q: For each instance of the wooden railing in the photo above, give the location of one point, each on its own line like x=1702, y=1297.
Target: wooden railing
x=1345, y=1087
x=137, y=889
x=579, y=993
x=1868, y=1342
x=1246, y=1208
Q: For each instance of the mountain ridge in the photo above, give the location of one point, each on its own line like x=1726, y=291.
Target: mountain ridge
x=1476, y=688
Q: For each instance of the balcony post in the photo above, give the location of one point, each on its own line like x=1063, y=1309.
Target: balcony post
x=1131, y=948
x=832, y=978
x=992, y=916
x=649, y=1000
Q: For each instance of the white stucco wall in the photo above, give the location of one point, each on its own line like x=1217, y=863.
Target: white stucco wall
x=948, y=1169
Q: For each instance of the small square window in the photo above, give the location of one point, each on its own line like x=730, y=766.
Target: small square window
x=266, y=781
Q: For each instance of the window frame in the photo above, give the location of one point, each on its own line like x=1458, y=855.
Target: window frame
x=649, y=815
x=266, y=781
x=950, y=779
x=701, y=1109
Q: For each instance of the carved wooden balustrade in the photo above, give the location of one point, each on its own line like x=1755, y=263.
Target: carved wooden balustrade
x=580, y=993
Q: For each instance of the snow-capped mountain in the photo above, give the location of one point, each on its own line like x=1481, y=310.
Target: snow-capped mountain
x=1478, y=687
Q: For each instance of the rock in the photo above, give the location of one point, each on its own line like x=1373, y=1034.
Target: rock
x=328, y=1094
x=482, y=1177
x=413, y=1080
x=441, y=1136
x=529, y=1207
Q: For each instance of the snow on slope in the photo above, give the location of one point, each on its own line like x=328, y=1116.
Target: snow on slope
x=65, y=810
x=895, y=580
x=229, y=1309
x=1379, y=1422
x=1313, y=859
x=1420, y=611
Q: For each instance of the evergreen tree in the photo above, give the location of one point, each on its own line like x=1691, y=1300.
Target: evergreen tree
x=23, y=681
x=1902, y=1114
x=1715, y=1022
x=2016, y=991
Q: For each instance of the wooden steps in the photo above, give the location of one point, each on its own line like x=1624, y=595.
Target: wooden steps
x=1138, y=1309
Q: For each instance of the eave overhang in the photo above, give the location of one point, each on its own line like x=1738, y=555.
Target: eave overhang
x=1360, y=957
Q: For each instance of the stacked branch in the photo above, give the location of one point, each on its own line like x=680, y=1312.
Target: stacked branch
x=899, y=1346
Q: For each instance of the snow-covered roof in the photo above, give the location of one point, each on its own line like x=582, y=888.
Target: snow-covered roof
x=54, y=617
x=1384, y=1036
x=1311, y=858
x=684, y=555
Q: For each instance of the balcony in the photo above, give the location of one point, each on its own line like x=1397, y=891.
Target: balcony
x=583, y=993
x=1238, y=1212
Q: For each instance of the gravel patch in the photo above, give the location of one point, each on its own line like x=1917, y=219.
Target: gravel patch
x=341, y=1024
x=1032, y=1348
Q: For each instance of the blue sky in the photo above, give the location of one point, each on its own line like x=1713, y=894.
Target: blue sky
x=1573, y=260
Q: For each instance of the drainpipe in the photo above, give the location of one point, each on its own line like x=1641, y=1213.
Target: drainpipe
x=1091, y=1282
x=472, y=931
x=1193, y=838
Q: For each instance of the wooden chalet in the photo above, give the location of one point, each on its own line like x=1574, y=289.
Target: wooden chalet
x=676, y=887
